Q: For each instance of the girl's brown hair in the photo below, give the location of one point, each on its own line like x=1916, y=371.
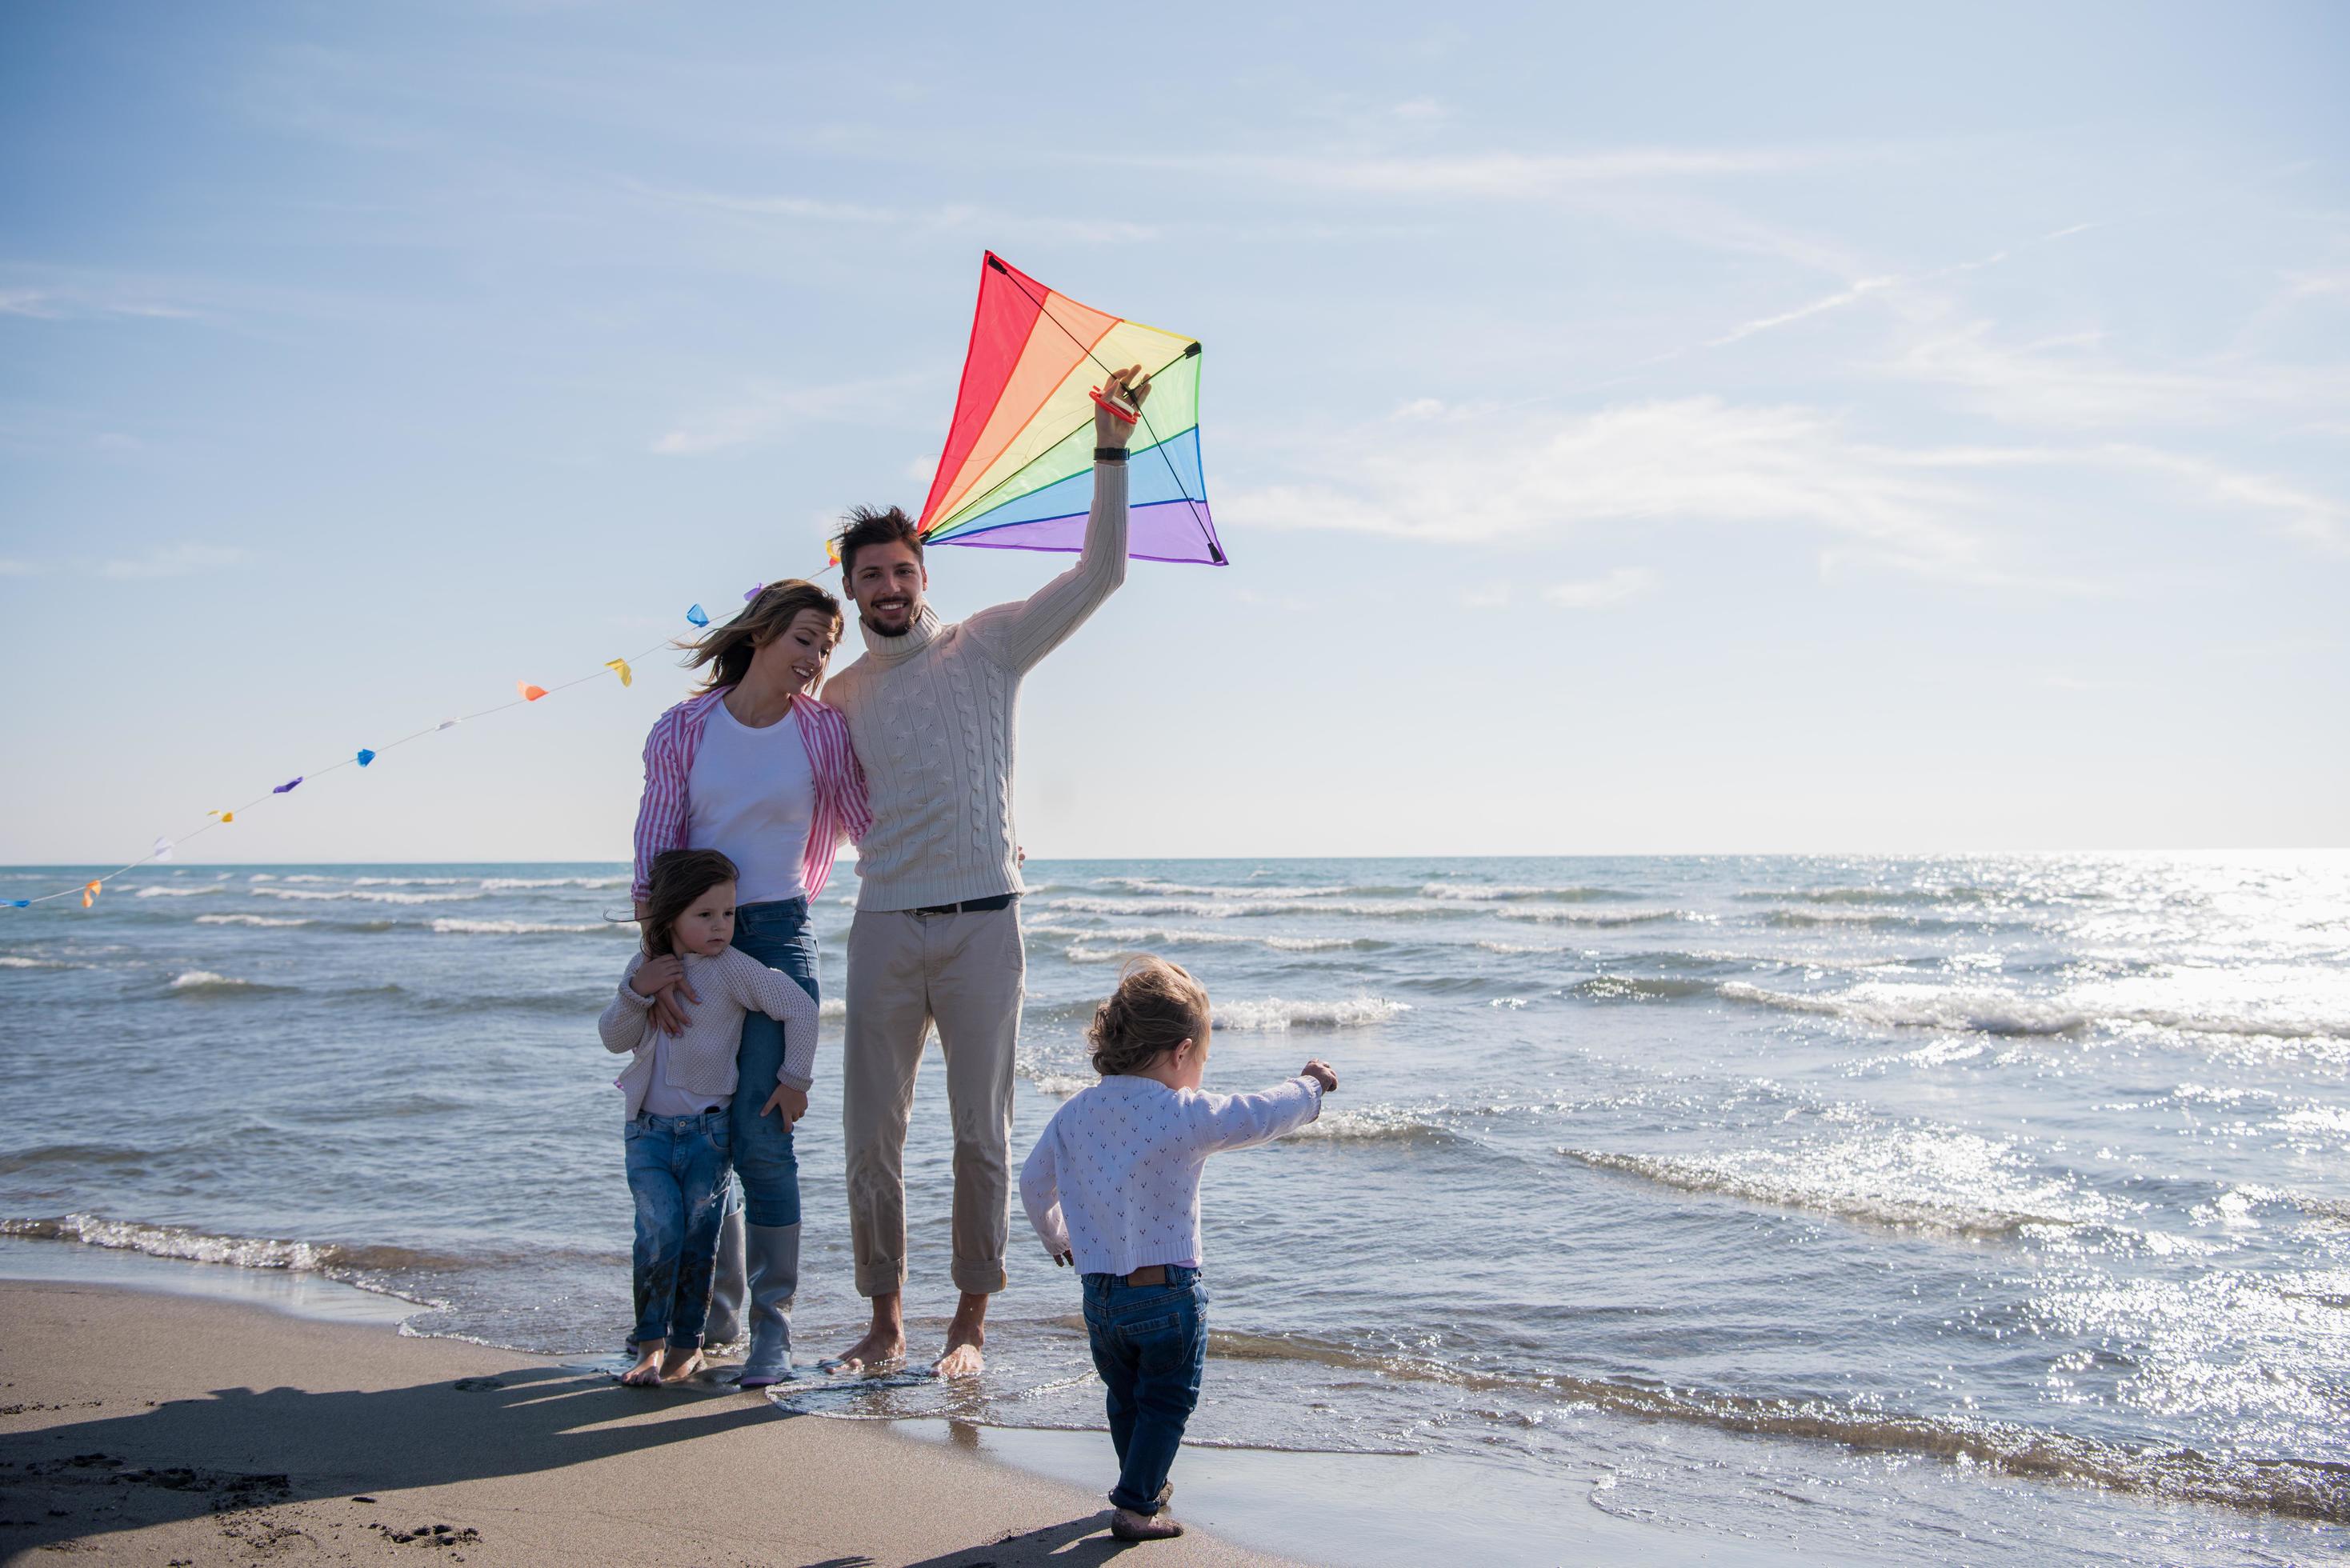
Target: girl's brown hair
x=727, y=648
x=679, y=877
x=1156, y=1007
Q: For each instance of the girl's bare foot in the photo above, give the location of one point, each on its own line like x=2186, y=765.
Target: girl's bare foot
x=1129, y=1525
x=680, y=1364
x=647, y=1372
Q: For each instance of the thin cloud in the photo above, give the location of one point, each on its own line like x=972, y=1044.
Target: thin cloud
x=764, y=411
x=10, y=567
x=1605, y=592
x=954, y=217
x=176, y=561
x=1493, y=174
x=1452, y=475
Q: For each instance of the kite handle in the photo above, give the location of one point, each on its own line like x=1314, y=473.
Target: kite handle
x=1125, y=414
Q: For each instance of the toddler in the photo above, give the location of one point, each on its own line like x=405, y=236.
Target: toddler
x=1114, y=1184
x=678, y=1088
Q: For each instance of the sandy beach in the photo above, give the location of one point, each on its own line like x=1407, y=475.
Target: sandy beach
x=159, y=1429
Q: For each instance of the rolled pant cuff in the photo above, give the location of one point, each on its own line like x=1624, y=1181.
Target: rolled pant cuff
x=881, y=1280
x=979, y=1279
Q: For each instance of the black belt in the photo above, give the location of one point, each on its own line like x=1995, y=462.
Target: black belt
x=969, y=905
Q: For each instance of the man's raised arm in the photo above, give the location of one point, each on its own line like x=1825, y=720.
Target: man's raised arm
x=1021, y=634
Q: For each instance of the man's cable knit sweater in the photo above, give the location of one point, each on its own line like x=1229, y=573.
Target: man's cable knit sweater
x=933, y=715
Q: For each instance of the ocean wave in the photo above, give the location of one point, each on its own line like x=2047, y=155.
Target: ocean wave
x=1362, y=909
x=173, y=890
x=356, y=1265
x=46, y=1153
x=363, y=895
x=1998, y=1012
x=272, y=921
x=1467, y=893
x=450, y=927
x=1061, y=1083
x=17, y=961
x=1922, y=1179
x=1274, y=1015
x=1953, y=894
x=1809, y=920
x=2306, y=1489
x=1129, y=940
x=1377, y=1124
x=1189, y=890
x=502, y=884
x=1608, y=918
x=1634, y=988
x=204, y=982
x=400, y=881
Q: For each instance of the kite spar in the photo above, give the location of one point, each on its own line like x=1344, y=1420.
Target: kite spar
x=1017, y=471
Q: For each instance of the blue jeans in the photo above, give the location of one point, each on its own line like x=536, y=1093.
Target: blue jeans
x=1151, y=1346
x=780, y=936
x=677, y=1174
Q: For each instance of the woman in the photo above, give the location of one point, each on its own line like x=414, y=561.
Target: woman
x=754, y=766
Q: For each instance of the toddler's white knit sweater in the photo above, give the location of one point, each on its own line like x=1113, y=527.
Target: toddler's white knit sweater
x=701, y=1060
x=1116, y=1178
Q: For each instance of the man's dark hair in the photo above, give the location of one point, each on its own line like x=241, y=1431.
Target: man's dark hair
x=875, y=525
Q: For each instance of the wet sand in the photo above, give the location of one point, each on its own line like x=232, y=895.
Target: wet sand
x=161, y=1428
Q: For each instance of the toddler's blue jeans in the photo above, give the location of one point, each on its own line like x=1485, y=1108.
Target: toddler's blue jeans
x=677, y=1174
x=1151, y=1346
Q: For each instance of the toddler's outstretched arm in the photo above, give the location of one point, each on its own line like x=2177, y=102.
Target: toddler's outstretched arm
x=1040, y=1190
x=1221, y=1123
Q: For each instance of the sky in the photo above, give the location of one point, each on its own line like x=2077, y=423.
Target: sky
x=1660, y=428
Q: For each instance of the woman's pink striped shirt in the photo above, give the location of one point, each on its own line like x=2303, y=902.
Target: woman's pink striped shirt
x=840, y=809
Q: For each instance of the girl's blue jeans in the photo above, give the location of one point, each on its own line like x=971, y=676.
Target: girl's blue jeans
x=677, y=1174
x=779, y=935
x=1151, y=1346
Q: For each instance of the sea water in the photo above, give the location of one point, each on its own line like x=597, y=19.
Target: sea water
x=1975, y=1208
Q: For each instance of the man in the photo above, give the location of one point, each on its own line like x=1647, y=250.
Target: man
x=931, y=710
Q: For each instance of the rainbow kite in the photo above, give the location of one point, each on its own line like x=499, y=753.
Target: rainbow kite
x=1017, y=471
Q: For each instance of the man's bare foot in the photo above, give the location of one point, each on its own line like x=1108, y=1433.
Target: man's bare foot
x=647, y=1372
x=1129, y=1525
x=680, y=1364
x=884, y=1344
x=965, y=1335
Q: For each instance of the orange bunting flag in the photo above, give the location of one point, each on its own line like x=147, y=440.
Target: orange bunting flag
x=620, y=667
x=89, y=893
x=225, y=817
x=530, y=693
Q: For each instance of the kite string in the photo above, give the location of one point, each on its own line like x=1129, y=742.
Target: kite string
x=221, y=818
x=1157, y=444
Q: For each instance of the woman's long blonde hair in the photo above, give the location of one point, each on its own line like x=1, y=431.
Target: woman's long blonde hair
x=727, y=648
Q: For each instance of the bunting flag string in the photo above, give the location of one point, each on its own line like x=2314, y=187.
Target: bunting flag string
x=527, y=693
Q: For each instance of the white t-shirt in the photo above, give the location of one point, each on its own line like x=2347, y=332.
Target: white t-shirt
x=750, y=796
x=663, y=1098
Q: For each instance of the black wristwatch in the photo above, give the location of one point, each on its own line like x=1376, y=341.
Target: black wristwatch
x=1110, y=454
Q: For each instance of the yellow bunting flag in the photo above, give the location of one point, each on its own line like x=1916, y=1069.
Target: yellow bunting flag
x=223, y=816
x=89, y=893
x=530, y=693
x=620, y=667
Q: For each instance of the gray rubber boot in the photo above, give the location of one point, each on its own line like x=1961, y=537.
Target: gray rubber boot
x=726, y=1284
x=774, y=1251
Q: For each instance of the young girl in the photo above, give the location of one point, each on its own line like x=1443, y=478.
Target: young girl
x=1115, y=1184
x=678, y=1088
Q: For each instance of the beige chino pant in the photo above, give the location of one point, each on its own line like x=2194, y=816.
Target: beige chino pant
x=905, y=971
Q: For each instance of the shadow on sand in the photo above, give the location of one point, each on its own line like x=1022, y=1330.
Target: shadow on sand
x=239, y=1451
